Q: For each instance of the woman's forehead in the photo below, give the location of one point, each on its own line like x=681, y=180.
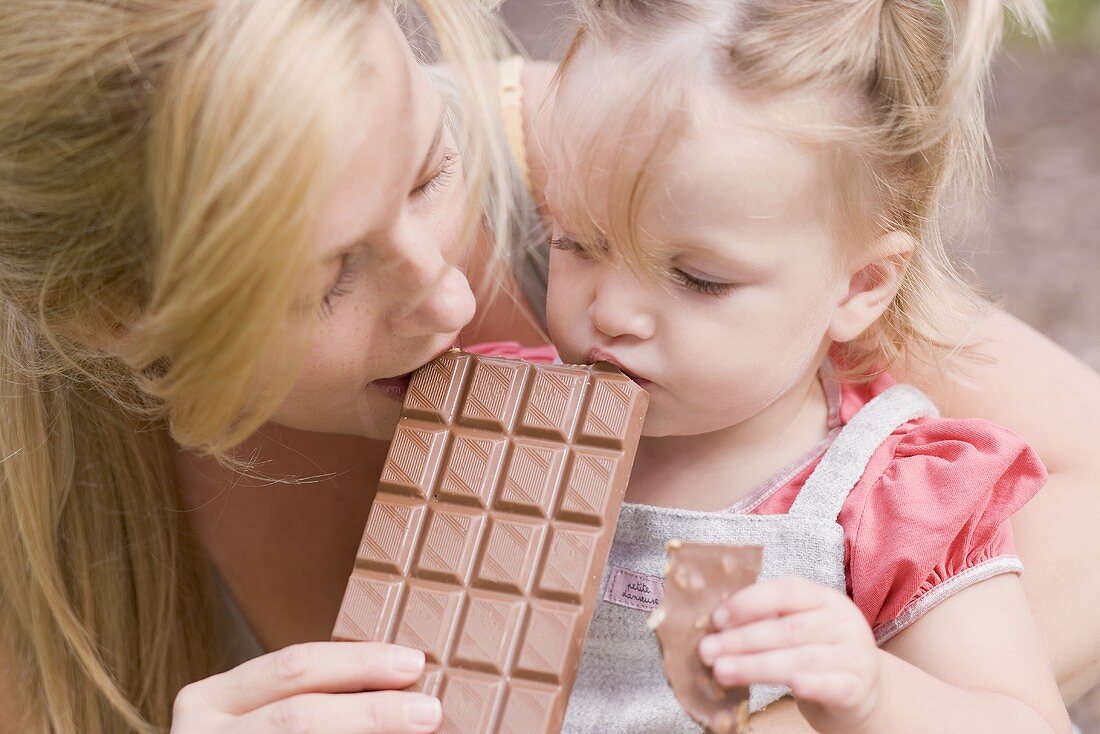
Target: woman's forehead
x=388, y=131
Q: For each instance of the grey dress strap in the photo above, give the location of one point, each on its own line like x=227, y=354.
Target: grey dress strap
x=846, y=460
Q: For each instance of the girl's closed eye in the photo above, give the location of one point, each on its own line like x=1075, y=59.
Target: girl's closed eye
x=342, y=285
x=702, y=285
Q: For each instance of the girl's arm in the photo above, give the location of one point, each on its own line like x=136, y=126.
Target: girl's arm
x=972, y=664
x=1053, y=400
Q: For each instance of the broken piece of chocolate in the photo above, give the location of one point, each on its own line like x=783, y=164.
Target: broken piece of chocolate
x=699, y=577
x=487, y=540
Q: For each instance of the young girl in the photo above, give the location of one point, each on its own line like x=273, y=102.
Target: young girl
x=748, y=223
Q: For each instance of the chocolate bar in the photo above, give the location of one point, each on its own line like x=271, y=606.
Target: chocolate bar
x=487, y=539
x=699, y=577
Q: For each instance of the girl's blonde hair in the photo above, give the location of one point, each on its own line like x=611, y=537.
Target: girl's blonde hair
x=161, y=163
x=899, y=84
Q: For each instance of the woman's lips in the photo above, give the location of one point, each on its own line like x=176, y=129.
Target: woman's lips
x=396, y=387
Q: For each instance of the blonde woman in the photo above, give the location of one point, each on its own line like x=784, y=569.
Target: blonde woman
x=227, y=229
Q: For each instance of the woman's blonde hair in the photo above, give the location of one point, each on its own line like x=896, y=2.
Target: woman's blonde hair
x=160, y=166
x=894, y=92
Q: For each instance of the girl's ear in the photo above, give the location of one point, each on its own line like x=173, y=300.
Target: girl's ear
x=872, y=284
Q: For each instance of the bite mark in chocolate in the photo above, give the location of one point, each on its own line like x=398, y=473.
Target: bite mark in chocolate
x=699, y=577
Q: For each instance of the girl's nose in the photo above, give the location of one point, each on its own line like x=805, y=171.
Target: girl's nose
x=621, y=306
x=442, y=305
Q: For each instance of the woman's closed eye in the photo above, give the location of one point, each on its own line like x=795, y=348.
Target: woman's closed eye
x=438, y=180
x=342, y=285
x=443, y=173
x=573, y=247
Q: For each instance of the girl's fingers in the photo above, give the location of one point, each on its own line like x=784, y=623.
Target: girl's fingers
x=793, y=630
x=777, y=666
x=312, y=667
x=771, y=598
x=385, y=712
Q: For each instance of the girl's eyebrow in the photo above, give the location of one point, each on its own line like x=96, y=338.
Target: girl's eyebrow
x=725, y=254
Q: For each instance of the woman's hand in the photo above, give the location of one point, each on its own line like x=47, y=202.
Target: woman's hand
x=803, y=635
x=315, y=687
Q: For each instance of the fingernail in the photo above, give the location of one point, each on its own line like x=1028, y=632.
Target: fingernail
x=725, y=668
x=721, y=617
x=709, y=648
x=407, y=660
x=423, y=711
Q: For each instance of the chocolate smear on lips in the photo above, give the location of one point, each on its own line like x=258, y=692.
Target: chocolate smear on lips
x=698, y=578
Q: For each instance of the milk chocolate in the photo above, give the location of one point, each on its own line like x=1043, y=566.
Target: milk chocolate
x=487, y=539
x=699, y=577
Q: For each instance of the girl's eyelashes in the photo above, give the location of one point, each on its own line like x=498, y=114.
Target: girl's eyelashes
x=442, y=175
x=342, y=285
x=689, y=281
x=699, y=285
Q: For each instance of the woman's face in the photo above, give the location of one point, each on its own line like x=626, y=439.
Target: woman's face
x=388, y=231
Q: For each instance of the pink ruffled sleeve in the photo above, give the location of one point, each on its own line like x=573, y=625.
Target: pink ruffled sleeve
x=931, y=517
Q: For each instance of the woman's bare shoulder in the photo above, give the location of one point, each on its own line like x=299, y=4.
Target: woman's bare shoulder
x=1023, y=381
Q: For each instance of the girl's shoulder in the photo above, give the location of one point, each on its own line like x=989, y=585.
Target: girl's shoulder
x=931, y=513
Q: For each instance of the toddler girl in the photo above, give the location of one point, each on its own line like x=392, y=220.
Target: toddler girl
x=747, y=221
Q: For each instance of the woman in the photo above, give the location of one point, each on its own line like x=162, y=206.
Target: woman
x=228, y=229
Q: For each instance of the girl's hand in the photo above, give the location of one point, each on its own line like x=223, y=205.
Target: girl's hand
x=315, y=687
x=806, y=636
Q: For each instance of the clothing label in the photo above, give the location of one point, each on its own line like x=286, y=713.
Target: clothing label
x=635, y=590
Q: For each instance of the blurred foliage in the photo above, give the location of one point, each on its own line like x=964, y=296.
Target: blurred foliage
x=1074, y=26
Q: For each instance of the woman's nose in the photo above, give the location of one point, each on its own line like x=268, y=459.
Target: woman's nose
x=621, y=306
x=439, y=305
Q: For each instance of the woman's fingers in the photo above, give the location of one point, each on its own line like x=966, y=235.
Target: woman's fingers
x=384, y=712
x=312, y=667
x=793, y=630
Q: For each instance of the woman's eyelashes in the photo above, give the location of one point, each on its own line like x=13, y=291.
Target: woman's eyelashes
x=342, y=285
x=441, y=176
x=437, y=181
x=567, y=245
x=688, y=280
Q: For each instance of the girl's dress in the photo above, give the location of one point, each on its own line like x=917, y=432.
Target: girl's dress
x=898, y=508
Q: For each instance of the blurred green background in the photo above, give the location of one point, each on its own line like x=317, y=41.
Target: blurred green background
x=1075, y=24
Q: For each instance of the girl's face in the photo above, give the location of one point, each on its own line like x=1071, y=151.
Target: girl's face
x=751, y=273
x=387, y=233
